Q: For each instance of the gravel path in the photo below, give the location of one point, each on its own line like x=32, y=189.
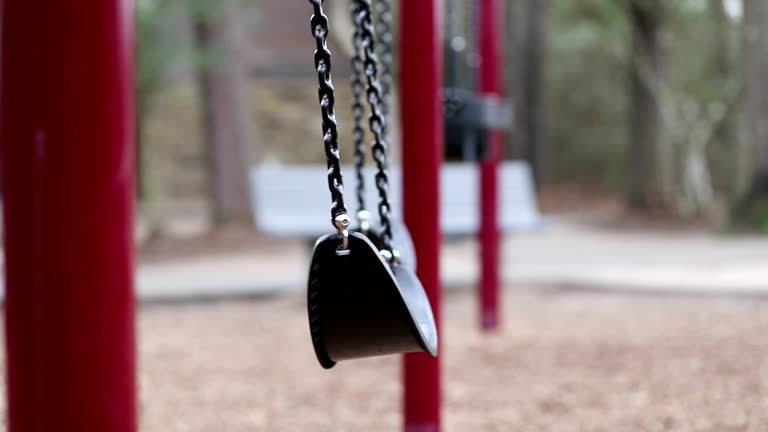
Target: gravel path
x=564, y=362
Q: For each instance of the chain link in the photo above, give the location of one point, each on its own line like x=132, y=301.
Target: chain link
x=358, y=110
x=384, y=29
x=319, y=24
x=376, y=119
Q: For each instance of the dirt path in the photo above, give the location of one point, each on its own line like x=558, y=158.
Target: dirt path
x=564, y=362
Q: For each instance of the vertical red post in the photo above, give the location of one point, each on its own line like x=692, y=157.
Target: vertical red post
x=489, y=236
x=68, y=183
x=421, y=81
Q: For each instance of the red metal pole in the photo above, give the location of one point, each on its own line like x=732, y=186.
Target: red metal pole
x=421, y=82
x=490, y=85
x=68, y=184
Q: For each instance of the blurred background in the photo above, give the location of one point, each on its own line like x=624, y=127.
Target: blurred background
x=634, y=208
x=653, y=105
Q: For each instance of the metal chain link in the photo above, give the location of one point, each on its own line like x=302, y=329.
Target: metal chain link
x=384, y=29
x=358, y=112
x=376, y=120
x=319, y=25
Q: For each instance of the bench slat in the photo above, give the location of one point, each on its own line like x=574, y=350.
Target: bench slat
x=294, y=200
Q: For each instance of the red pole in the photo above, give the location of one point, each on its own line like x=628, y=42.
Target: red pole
x=490, y=85
x=421, y=82
x=68, y=184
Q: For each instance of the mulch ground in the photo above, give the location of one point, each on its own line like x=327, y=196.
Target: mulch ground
x=564, y=361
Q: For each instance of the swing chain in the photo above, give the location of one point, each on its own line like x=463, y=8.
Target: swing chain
x=358, y=112
x=384, y=28
x=376, y=119
x=319, y=27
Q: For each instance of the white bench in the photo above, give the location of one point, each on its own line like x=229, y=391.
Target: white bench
x=293, y=200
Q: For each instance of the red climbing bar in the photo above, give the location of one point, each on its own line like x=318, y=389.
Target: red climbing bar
x=421, y=84
x=489, y=236
x=68, y=184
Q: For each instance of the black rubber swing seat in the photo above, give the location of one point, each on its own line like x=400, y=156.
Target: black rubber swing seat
x=360, y=307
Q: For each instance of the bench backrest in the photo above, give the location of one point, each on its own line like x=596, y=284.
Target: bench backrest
x=294, y=199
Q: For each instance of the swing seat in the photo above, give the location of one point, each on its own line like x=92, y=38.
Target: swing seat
x=360, y=307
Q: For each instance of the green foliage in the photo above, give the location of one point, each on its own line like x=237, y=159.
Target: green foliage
x=156, y=47
x=754, y=219
x=586, y=91
x=164, y=47
x=161, y=45
x=587, y=70
x=704, y=78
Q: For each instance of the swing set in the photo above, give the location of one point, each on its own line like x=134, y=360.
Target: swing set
x=363, y=297
x=68, y=185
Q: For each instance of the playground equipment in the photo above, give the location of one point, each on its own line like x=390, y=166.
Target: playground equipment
x=361, y=300
x=68, y=190
x=490, y=248
x=67, y=144
x=469, y=115
x=421, y=78
x=502, y=197
x=363, y=67
x=475, y=122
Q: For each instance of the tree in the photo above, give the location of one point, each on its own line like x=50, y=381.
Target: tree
x=223, y=90
x=527, y=26
x=755, y=104
x=724, y=152
x=157, y=50
x=646, y=74
x=721, y=50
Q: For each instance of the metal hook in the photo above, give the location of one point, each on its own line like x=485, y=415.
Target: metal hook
x=342, y=222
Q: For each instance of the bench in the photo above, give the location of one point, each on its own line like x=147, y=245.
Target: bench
x=293, y=200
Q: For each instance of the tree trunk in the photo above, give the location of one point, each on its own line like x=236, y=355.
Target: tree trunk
x=721, y=52
x=516, y=29
x=755, y=99
x=646, y=73
x=724, y=150
x=223, y=86
x=527, y=26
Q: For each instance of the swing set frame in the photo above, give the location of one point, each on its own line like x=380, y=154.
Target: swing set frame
x=67, y=140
